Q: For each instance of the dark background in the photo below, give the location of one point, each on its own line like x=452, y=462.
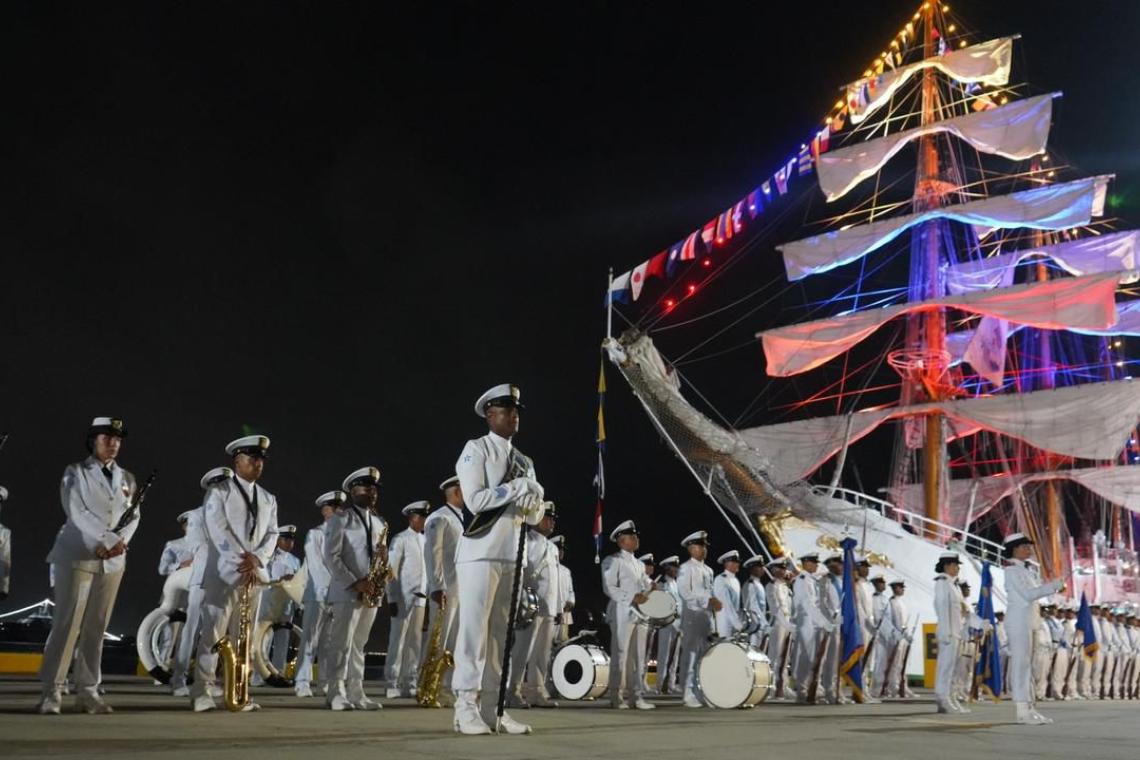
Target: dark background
x=338, y=224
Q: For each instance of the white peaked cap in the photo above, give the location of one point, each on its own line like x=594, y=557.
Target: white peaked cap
x=371, y=474
x=417, y=507
x=755, y=559
x=247, y=442
x=695, y=536
x=729, y=555
x=216, y=474
x=286, y=530
x=185, y=516
x=331, y=497
x=672, y=559
x=452, y=481
x=646, y=559
x=499, y=391
x=625, y=527
x=952, y=555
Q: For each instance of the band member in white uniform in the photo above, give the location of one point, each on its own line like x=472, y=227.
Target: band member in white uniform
x=275, y=604
x=948, y=609
x=177, y=553
x=780, y=607
x=1061, y=643
x=530, y=658
x=810, y=624
x=205, y=562
x=669, y=636
x=830, y=602
x=407, y=599
x=501, y=491
x=754, y=598
x=88, y=557
x=1044, y=647
x=647, y=561
x=1023, y=587
x=865, y=617
x=626, y=584
x=353, y=538
x=1074, y=638
x=900, y=637
x=726, y=588
x=241, y=522
x=5, y=551
x=875, y=639
x=442, y=530
x=317, y=613
x=695, y=584
x=566, y=598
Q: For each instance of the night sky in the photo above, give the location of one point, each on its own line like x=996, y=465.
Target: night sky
x=338, y=225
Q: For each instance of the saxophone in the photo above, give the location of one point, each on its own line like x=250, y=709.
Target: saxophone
x=235, y=655
x=437, y=662
x=379, y=572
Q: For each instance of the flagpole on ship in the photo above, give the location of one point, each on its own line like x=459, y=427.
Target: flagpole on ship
x=610, y=307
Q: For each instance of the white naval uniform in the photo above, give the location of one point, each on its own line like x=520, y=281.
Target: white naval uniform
x=880, y=652
x=1075, y=638
x=1098, y=660
x=317, y=613
x=726, y=588
x=948, y=612
x=810, y=623
x=894, y=634
x=85, y=586
x=623, y=577
x=485, y=567
x=232, y=530
x=350, y=538
x=830, y=601
x=1042, y=656
x=408, y=591
x=1123, y=654
x=865, y=619
x=695, y=584
x=5, y=559
x=176, y=551
x=780, y=640
x=442, y=530
x=281, y=565
x=668, y=641
x=1023, y=588
x=204, y=561
x=1062, y=640
x=530, y=658
x=565, y=597
x=755, y=600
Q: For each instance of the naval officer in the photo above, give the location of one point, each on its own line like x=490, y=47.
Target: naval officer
x=442, y=530
x=407, y=598
x=626, y=585
x=1023, y=587
x=695, y=584
x=317, y=613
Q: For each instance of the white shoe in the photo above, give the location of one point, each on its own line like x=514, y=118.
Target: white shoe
x=364, y=703
x=691, y=701
x=250, y=707
x=538, y=700
x=959, y=707
x=517, y=702
x=1040, y=718
x=618, y=704
x=1025, y=716
x=204, y=703
x=641, y=704
x=391, y=693
x=944, y=706
x=92, y=705
x=339, y=704
x=304, y=692
x=215, y=691
x=508, y=725
x=181, y=691
x=49, y=704
x=470, y=725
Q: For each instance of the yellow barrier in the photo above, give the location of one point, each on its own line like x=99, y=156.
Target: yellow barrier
x=20, y=662
x=929, y=654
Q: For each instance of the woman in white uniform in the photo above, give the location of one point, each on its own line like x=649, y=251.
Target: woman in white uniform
x=1023, y=587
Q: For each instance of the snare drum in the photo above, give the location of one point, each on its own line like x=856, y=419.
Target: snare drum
x=659, y=610
x=733, y=674
x=581, y=671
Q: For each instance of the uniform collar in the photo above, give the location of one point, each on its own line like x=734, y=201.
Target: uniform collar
x=245, y=484
x=499, y=441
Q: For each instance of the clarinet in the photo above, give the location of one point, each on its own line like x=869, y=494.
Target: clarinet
x=132, y=512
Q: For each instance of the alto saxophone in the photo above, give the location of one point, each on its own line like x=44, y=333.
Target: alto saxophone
x=379, y=572
x=235, y=655
x=437, y=662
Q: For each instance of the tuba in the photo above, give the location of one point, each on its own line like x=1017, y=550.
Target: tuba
x=235, y=655
x=379, y=573
x=437, y=662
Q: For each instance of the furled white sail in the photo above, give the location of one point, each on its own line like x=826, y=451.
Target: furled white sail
x=1064, y=303
x=1018, y=130
x=1086, y=421
x=973, y=498
x=1049, y=207
x=986, y=63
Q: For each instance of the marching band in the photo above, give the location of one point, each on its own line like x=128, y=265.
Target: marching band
x=461, y=571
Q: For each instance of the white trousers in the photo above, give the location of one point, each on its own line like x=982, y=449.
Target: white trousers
x=779, y=644
x=1097, y=675
x=405, y=640
x=1020, y=656
x=1110, y=675
x=316, y=627
x=1042, y=659
x=218, y=618
x=530, y=658
x=188, y=640
x=829, y=671
x=947, y=664
x=870, y=663
x=83, y=604
x=668, y=639
x=485, y=588
x=627, y=654
x=351, y=626
x=803, y=664
x=1060, y=671
x=695, y=629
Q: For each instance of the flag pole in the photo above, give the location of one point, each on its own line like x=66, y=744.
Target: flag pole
x=610, y=306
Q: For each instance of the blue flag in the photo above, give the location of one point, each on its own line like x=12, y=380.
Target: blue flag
x=851, y=663
x=1086, y=627
x=987, y=671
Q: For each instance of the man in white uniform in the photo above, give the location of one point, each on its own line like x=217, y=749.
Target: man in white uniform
x=530, y=658
x=241, y=522
x=754, y=598
x=1023, y=587
x=5, y=551
x=276, y=606
x=88, y=558
x=442, y=530
x=726, y=588
x=830, y=601
x=501, y=491
x=566, y=598
x=204, y=563
x=177, y=553
x=1062, y=640
x=780, y=639
x=626, y=584
x=897, y=637
x=1046, y=638
x=695, y=584
x=353, y=537
x=810, y=624
x=875, y=642
x=669, y=636
x=317, y=611
x=407, y=598
x=948, y=609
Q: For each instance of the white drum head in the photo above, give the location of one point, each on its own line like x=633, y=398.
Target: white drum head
x=580, y=670
x=726, y=675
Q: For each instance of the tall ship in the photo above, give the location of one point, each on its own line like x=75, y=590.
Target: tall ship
x=944, y=351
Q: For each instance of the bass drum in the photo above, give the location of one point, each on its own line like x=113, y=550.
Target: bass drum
x=581, y=671
x=263, y=634
x=659, y=610
x=158, y=635
x=733, y=674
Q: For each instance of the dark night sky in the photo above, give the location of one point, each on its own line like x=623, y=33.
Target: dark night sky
x=339, y=224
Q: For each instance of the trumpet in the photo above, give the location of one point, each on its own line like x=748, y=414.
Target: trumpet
x=379, y=572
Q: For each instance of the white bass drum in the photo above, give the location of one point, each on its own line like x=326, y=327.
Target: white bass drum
x=733, y=674
x=581, y=671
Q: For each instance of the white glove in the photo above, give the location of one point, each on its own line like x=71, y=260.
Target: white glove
x=533, y=509
x=987, y=626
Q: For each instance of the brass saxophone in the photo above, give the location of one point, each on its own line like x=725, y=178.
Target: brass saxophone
x=379, y=572
x=236, y=666
x=437, y=662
